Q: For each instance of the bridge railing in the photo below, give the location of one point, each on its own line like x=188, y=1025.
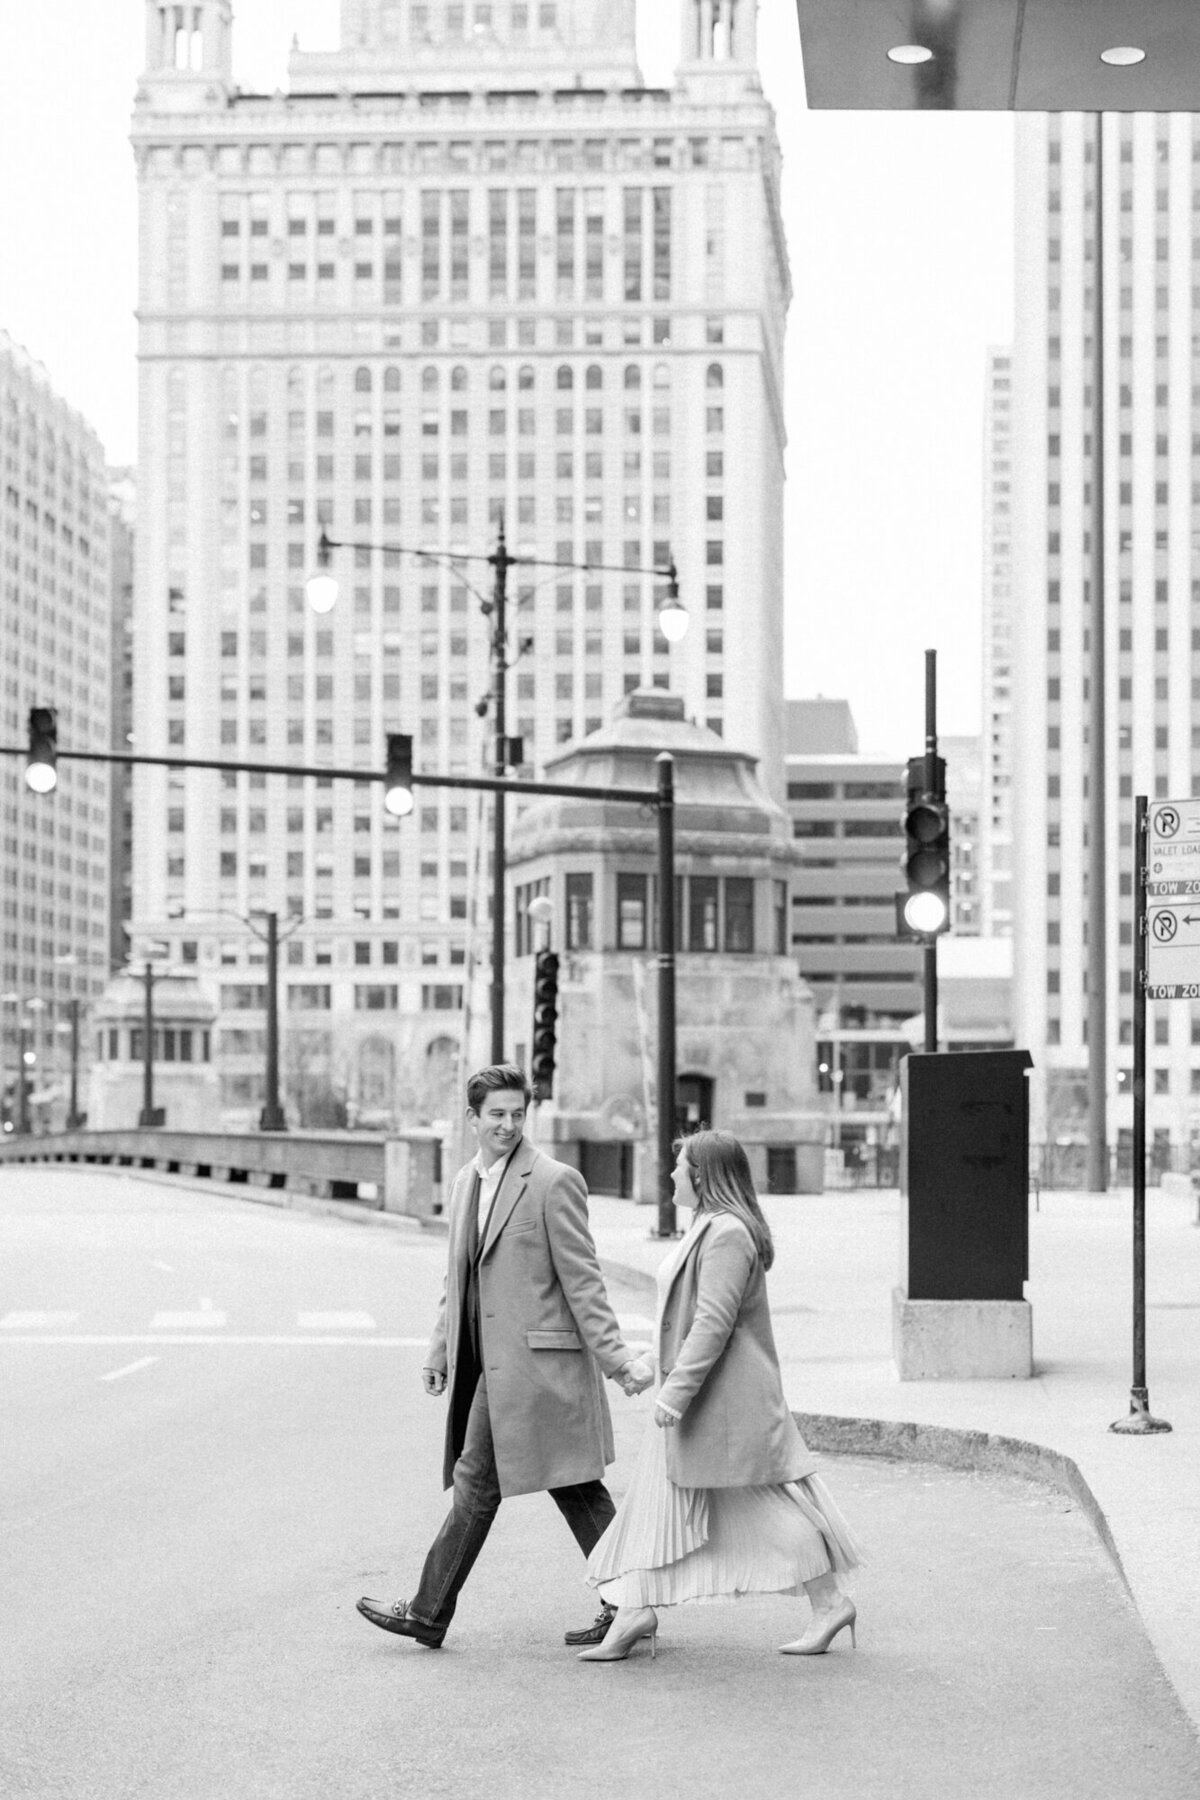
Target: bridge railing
x=399, y=1172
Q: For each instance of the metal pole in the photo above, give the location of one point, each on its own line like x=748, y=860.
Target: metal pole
x=271, y=1117
x=147, y=1115
x=501, y=561
x=73, y=1119
x=22, y=1080
x=930, y=948
x=1139, y=1419
x=1097, y=996
x=665, y=764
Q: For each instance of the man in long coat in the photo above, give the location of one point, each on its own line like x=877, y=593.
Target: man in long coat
x=524, y=1334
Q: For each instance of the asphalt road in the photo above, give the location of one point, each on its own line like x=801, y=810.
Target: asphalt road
x=213, y=1439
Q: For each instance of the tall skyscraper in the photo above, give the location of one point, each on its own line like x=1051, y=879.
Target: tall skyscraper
x=1152, y=591
x=54, y=621
x=995, y=799
x=468, y=268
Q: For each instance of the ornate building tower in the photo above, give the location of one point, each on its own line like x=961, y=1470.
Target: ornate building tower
x=468, y=268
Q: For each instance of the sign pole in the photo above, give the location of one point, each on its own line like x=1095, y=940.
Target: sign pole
x=1139, y=1420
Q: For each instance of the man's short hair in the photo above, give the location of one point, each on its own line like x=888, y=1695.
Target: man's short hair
x=497, y=1078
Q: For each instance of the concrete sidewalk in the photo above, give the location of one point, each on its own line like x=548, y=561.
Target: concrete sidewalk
x=837, y=1261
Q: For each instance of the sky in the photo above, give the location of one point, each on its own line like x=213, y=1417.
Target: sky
x=899, y=232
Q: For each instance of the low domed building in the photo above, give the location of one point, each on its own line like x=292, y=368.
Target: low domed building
x=745, y=1028
x=186, y=1086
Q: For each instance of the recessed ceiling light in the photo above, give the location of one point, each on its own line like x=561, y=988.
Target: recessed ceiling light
x=909, y=53
x=1123, y=56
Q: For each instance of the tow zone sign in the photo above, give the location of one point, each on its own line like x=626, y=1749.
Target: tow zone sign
x=1173, y=901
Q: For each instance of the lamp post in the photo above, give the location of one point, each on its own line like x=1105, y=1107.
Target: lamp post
x=149, y=1115
x=272, y=1116
x=322, y=589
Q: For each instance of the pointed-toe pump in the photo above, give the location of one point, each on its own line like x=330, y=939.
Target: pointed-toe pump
x=823, y=1629
x=623, y=1634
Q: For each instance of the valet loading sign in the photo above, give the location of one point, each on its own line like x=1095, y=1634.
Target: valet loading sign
x=1173, y=901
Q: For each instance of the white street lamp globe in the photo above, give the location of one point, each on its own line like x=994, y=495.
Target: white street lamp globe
x=541, y=909
x=672, y=620
x=322, y=591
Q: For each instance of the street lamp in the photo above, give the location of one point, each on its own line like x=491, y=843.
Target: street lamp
x=322, y=589
x=272, y=1117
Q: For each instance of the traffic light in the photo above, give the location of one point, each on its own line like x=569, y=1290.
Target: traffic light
x=398, y=791
x=924, y=909
x=545, y=1023
x=41, y=771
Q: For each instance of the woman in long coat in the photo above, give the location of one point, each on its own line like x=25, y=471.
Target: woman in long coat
x=724, y=1500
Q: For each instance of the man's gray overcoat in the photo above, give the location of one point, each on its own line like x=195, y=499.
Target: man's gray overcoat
x=548, y=1332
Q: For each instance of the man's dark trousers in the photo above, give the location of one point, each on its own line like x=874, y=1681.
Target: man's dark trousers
x=587, y=1506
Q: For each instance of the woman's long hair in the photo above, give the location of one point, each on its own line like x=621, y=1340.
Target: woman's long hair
x=720, y=1171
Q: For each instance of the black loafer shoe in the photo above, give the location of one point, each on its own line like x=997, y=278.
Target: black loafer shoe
x=597, y=1631
x=397, y=1618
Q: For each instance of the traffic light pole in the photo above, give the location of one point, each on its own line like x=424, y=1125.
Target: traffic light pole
x=931, y=750
x=660, y=799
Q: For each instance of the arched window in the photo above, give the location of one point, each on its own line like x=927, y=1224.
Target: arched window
x=258, y=385
x=715, y=376
x=497, y=379
x=565, y=377
x=595, y=378
x=662, y=375
x=391, y=379
x=325, y=379
x=429, y=379
x=295, y=382
x=458, y=378
x=633, y=376
x=362, y=380
x=525, y=376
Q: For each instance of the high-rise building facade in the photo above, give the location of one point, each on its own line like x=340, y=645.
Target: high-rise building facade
x=995, y=799
x=469, y=268
x=1152, y=590
x=54, y=621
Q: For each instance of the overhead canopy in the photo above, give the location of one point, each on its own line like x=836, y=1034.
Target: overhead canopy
x=1002, y=55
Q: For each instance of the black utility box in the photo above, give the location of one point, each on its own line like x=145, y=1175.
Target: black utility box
x=964, y=1173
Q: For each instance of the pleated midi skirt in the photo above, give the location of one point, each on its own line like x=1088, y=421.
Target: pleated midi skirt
x=669, y=1544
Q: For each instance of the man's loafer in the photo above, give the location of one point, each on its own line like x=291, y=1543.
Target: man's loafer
x=397, y=1618
x=597, y=1631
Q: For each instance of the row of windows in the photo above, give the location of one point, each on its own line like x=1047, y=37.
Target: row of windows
x=712, y=913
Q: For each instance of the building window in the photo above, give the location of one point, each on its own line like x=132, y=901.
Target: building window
x=379, y=997
x=633, y=912
x=739, y=913
x=579, y=912
x=702, y=913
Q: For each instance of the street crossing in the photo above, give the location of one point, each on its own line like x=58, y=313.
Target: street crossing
x=207, y=1323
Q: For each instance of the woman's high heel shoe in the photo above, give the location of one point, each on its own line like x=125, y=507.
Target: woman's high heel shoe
x=623, y=1634
x=824, y=1629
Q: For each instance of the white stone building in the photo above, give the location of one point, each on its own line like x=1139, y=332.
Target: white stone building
x=1152, y=598
x=54, y=624
x=995, y=800
x=469, y=265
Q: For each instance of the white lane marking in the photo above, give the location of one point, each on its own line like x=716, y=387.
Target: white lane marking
x=168, y=1267
x=335, y=1321
x=375, y=1343
x=37, y=1321
x=206, y=1319
x=636, y=1324
x=143, y=1362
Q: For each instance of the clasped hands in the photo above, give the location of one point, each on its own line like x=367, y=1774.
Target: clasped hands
x=636, y=1375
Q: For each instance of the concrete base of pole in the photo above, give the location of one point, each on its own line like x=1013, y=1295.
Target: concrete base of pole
x=961, y=1340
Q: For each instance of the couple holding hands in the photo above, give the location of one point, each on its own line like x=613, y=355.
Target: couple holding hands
x=724, y=1499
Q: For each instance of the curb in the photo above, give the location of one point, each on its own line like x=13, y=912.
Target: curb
x=954, y=1447
x=357, y=1211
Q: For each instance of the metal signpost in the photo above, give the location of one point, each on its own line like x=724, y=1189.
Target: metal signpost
x=1166, y=966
